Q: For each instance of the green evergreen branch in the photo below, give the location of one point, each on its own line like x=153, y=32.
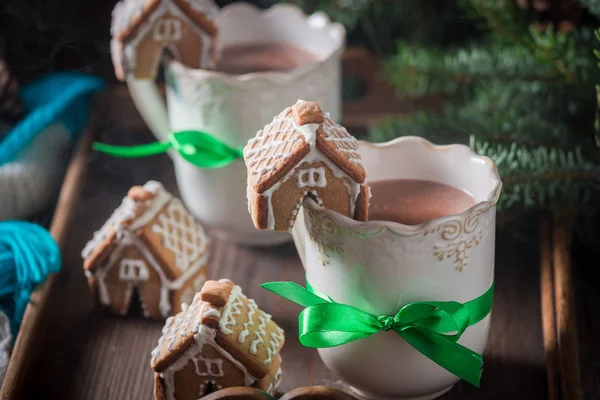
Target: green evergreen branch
x=419, y=71
x=528, y=113
x=555, y=179
x=501, y=18
x=508, y=25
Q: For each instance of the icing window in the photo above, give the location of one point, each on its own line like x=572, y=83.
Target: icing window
x=167, y=29
x=312, y=177
x=208, y=367
x=133, y=270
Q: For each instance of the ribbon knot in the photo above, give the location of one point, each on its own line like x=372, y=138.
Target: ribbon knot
x=387, y=321
x=433, y=328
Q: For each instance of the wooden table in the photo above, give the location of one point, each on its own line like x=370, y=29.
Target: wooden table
x=91, y=355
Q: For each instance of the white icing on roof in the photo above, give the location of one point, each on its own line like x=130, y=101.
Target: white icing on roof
x=231, y=310
x=126, y=10
x=127, y=210
x=189, y=322
x=181, y=234
x=310, y=133
x=277, y=139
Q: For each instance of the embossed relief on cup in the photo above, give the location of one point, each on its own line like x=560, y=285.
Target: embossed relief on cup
x=458, y=237
x=325, y=232
x=386, y=246
x=333, y=238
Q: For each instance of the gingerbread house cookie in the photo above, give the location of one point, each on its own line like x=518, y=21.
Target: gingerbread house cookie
x=222, y=339
x=301, y=153
x=142, y=29
x=151, y=247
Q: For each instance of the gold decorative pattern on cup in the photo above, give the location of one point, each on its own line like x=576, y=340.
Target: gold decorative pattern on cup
x=321, y=230
x=462, y=235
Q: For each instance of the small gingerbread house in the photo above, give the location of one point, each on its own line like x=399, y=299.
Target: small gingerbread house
x=301, y=153
x=222, y=339
x=151, y=247
x=142, y=29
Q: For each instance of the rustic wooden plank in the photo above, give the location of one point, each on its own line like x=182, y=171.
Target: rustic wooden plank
x=317, y=393
x=548, y=308
x=514, y=361
x=27, y=343
x=91, y=355
x=566, y=324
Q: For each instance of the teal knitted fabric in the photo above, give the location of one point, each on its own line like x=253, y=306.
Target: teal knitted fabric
x=27, y=251
x=27, y=255
x=60, y=97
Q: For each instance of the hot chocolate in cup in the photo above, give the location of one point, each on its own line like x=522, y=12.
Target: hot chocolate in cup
x=270, y=57
x=379, y=266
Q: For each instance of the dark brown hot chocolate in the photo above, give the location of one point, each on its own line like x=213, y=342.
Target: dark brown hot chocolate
x=414, y=201
x=258, y=57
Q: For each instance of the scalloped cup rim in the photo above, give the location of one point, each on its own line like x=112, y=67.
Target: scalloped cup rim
x=287, y=75
x=374, y=227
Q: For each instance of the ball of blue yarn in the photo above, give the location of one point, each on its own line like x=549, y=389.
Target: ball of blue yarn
x=28, y=254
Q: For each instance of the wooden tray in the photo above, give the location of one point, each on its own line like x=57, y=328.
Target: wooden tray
x=558, y=311
x=91, y=355
x=28, y=341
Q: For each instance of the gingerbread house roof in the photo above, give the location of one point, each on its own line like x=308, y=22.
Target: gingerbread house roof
x=222, y=317
x=182, y=238
x=292, y=136
x=129, y=15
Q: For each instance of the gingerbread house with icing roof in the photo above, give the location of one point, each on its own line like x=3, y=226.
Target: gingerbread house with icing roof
x=142, y=30
x=222, y=339
x=151, y=247
x=303, y=153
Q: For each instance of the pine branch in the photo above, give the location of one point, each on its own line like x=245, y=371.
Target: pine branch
x=500, y=18
x=556, y=179
x=437, y=128
x=508, y=25
x=528, y=113
x=417, y=71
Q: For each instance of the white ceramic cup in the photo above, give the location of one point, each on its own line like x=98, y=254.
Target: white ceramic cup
x=234, y=107
x=381, y=266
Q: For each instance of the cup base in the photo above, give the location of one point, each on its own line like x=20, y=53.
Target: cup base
x=370, y=396
x=261, y=239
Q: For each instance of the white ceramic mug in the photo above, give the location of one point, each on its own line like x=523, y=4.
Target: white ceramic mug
x=381, y=266
x=234, y=107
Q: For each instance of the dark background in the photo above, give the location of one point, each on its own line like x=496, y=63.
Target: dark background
x=41, y=36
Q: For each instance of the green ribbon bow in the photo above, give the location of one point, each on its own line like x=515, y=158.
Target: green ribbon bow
x=432, y=327
x=198, y=148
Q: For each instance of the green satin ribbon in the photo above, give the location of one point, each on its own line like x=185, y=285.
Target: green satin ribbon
x=431, y=327
x=198, y=148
